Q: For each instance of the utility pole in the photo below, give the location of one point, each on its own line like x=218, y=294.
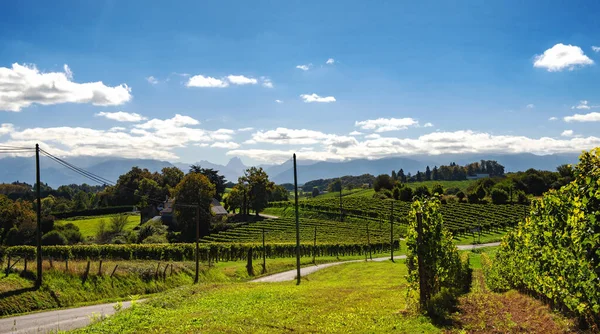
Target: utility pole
x=264, y=252
x=392, y=233
x=38, y=280
x=297, y=224
x=341, y=210
x=197, y=243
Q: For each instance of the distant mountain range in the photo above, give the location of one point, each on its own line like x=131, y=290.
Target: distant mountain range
x=23, y=169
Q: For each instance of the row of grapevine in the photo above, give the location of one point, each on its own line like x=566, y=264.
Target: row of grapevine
x=460, y=218
x=180, y=252
x=555, y=253
x=283, y=230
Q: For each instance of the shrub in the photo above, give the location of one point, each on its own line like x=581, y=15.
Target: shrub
x=422, y=191
x=406, y=194
x=460, y=195
x=473, y=197
x=437, y=189
x=452, y=191
x=499, y=196
x=54, y=238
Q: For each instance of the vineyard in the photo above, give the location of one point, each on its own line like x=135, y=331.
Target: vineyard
x=283, y=230
x=459, y=218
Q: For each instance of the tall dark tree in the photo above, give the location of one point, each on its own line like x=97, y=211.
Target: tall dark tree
x=401, y=176
x=419, y=176
x=394, y=176
x=435, y=175
x=214, y=177
x=427, y=174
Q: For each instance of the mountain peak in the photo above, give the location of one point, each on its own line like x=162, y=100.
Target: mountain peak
x=236, y=164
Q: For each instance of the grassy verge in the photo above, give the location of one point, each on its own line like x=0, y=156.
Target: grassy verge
x=357, y=298
x=485, y=237
x=88, y=226
x=62, y=288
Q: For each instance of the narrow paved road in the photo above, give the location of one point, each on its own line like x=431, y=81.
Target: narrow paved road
x=60, y=320
x=291, y=274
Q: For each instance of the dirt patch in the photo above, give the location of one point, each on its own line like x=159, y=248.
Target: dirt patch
x=483, y=311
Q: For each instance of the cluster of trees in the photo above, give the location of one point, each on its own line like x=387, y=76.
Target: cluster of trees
x=512, y=187
x=349, y=182
x=451, y=172
x=192, y=194
x=253, y=192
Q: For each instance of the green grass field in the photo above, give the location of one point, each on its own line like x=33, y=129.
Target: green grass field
x=352, y=298
x=88, y=226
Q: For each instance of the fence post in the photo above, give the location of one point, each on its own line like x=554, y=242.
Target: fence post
x=369, y=242
x=315, y=247
x=114, y=270
x=249, y=266
x=100, y=268
x=423, y=289
x=264, y=265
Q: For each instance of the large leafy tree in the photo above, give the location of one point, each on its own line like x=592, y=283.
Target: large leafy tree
x=259, y=188
x=17, y=222
x=194, y=191
x=214, y=177
x=171, y=176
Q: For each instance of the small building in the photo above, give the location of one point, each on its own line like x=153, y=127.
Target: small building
x=217, y=209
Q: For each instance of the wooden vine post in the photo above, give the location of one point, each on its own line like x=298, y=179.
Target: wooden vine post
x=423, y=289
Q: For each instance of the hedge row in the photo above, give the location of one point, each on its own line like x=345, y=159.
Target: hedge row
x=181, y=252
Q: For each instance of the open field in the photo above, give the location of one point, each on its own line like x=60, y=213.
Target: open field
x=88, y=226
x=66, y=288
x=360, y=297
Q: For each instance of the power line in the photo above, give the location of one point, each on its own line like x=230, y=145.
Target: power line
x=17, y=147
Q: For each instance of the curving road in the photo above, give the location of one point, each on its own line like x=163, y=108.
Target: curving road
x=291, y=274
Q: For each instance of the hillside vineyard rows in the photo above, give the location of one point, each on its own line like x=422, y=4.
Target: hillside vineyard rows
x=459, y=218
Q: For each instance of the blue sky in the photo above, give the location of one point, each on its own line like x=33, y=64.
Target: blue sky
x=412, y=78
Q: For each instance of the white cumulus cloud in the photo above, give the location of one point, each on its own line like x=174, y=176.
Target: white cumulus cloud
x=583, y=104
x=590, y=117
x=530, y=106
x=567, y=133
x=596, y=48
x=266, y=82
x=553, y=118
x=330, y=61
x=245, y=129
x=560, y=57
x=121, y=116
x=428, y=125
x=206, y=82
x=24, y=85
x=387, y=124
x=355, y=133
x=308, y=98
x=228, y=145
x=304, y=67
x=279, y=101
x=241, y=80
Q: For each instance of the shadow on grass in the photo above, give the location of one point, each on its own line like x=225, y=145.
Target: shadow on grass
x=17, y=292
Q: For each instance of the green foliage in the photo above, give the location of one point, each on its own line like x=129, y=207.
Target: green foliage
x=53, y=238
x=315, y=192
x=442, y=265
x=213, y=176
x=499, y=196
x=555, y=252
x=422, y=191
x=437, y=189
x=406, y=194
x=335, y=186
x=259, y=188
x=195, y=189
x=383, y=181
